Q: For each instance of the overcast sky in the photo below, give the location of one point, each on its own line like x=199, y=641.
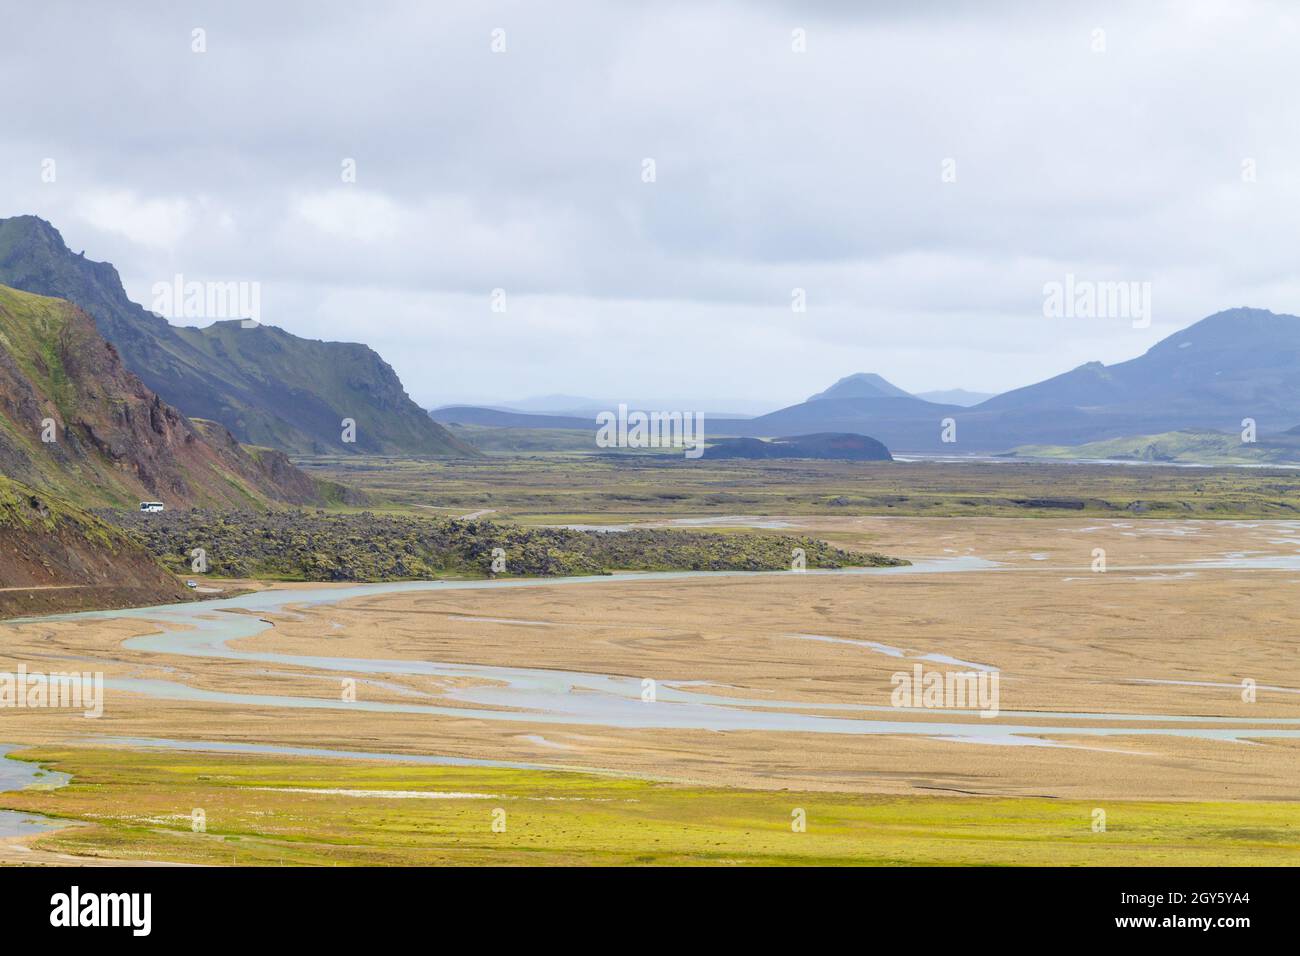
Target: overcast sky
x=1110, y=156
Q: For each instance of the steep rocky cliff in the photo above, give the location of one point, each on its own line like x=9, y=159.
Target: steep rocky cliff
x=75, y=423
x=267, y=386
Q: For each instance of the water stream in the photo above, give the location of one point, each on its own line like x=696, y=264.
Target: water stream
x=545, y=696
x=22, y=775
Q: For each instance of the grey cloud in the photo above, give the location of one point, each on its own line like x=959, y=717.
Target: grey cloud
x=775, y=170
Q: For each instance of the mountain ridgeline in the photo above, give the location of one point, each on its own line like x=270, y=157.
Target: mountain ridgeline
x=861, y=385
x=1234, y=365
x=266, y=386
x=75, y=423
x=1210, y=377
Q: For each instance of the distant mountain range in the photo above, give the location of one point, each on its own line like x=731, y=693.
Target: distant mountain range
x=1238, y=364
x=505, y=418
x=557, y=404
x=861, y=385
x=576, y=406
x=75, y=422
x=266, y=386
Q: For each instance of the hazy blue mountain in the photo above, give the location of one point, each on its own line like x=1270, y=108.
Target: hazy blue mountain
x=555, y=404
x=956, y=396
x=1238, y=364
x=504, y=418
x=1241, y=362
x=574, y=406
x=861, y=385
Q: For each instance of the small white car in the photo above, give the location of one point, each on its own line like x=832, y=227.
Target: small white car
x=191, y=584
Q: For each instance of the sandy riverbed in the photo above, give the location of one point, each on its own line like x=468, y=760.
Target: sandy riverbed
x=1064, y=638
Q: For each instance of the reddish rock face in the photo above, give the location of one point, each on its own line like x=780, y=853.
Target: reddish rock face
x=116, y=441
x=268, y=386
